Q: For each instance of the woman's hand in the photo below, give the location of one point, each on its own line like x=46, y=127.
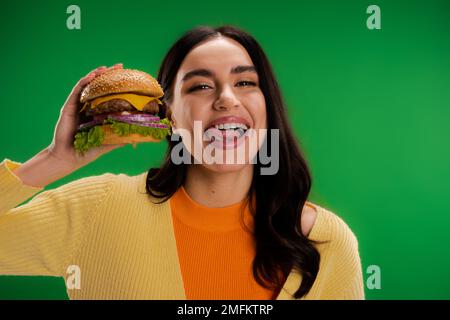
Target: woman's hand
x=60, y=158
x=62, y=148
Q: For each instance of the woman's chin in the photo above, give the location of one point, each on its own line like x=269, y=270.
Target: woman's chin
x=225, y=168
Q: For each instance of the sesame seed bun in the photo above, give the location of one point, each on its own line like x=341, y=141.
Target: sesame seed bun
x=122, y=81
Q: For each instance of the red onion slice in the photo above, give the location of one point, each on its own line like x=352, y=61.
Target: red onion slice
x=135, y=117
x=151, y=124
x=89, y=124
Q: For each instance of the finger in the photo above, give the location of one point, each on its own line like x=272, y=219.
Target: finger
x=73, y=99
x=113, y=67
x=88, y=78
x=104, y=69
x=116, y=66
x=93, y=72
x=76, y=91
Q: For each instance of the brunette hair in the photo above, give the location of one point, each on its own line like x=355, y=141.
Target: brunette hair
x=276, y=201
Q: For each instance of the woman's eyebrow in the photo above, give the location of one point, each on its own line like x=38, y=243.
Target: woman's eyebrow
x=240, y=69
x=210, y=74
x=197, y=72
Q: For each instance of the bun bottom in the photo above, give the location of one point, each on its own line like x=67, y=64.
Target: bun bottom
x=111, y=138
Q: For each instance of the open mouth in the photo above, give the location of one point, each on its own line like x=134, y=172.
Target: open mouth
x=226, y=135
x=226, y=131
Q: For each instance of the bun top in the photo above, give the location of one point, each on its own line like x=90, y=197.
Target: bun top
x=121, y=81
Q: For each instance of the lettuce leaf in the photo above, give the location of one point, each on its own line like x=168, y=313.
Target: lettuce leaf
x=87, y=139
x=124, y=129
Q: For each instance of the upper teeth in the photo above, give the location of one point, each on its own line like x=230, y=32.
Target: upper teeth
x=227, y=126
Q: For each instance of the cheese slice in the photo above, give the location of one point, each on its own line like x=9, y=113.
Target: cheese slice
x=135, y=100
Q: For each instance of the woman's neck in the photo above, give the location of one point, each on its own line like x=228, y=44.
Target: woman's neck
x=217, y=189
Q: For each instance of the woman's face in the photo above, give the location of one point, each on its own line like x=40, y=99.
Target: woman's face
x=216, y=94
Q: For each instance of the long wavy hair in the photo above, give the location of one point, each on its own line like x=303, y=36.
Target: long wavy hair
x=275, y=201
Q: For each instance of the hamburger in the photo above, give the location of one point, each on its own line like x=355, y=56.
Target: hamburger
x=120, y=106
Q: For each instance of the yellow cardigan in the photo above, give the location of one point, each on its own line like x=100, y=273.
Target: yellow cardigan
x=105, y=230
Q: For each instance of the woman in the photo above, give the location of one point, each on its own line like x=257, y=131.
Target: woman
x=192, y=229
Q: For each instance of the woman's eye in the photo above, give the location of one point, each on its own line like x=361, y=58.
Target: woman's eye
x=245, y=83
x=199, y=87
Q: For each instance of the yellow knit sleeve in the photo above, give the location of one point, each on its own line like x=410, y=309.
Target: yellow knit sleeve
x=12, y=190
x=37, y=237
x=340, y=271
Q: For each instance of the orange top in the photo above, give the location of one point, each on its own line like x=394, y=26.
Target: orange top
x=215, y=250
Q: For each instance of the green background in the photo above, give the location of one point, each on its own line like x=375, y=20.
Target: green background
x=371, y=108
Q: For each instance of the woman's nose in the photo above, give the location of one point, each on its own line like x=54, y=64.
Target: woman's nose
x=225, y=101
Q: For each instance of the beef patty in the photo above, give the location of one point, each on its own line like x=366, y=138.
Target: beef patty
x=118, y=105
